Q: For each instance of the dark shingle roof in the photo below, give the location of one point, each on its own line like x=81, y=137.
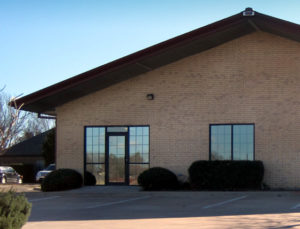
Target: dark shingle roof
x=30, y=147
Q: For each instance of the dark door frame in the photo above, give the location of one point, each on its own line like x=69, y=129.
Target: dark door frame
x=125, y=134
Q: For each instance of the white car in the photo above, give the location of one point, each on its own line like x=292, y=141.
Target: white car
x=43, y=173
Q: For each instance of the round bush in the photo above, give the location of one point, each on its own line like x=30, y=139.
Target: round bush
x=89, y=179
x=158, y=178
x=14, y=210
x=62, y=179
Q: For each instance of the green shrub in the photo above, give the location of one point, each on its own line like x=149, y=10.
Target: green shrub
x=183, y=182
x=14, y=210
x=62, y=179
x=89, y=179
x=226, y=175
x=158, y=178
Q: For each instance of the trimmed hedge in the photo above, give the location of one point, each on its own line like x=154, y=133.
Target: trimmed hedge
x=226, y=175
x=62, y=179
x=14, y=210
x=89, y=179
x=158, y=178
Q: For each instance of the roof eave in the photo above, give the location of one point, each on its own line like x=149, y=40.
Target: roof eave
x=47, y=99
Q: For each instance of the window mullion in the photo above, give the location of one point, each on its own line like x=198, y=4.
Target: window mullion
x=231, y=142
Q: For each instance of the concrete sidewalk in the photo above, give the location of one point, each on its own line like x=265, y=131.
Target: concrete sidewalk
x=288, y=220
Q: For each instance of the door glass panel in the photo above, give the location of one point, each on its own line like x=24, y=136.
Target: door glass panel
x=116, y=159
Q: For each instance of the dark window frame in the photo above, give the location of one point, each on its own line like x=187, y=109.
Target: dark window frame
x=126, y=174
x=232, y=140
x=106, y=134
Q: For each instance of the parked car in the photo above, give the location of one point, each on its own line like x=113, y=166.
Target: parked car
x=43, y=173
x=9, y=175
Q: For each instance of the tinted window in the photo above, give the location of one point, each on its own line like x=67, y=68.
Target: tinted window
x=232, y=142
x=221, y=142
x=243, y=142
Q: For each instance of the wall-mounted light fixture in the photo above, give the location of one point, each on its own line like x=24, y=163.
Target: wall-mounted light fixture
x=150, y=96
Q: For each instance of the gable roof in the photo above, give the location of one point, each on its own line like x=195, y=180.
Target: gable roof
x=30, y=147
x=212, y=35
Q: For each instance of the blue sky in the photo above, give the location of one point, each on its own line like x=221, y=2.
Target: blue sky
x=47, y=41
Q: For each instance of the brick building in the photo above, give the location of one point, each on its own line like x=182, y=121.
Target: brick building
x=226, y=91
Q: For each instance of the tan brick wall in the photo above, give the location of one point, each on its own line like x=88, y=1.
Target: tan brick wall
x=253, y=79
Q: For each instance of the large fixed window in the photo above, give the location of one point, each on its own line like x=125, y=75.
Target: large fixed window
x=100, y=150
x=95, y=152
x=138, y=152
x=231, y=142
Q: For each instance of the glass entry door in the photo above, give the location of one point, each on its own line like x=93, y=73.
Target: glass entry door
x=117, y=162
x=116, y=154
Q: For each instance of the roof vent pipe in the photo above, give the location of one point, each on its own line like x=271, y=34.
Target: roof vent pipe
x=248, y=12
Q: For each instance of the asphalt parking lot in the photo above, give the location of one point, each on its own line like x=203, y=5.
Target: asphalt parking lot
x=128, y=207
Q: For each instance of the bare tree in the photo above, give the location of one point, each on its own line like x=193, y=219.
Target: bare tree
x=17, y=125
x=34, y=126
x=11, y=121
